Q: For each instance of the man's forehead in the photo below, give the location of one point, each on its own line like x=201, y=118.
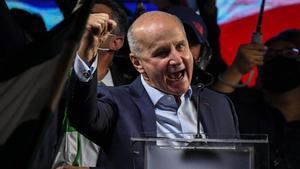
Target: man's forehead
x=161, y=37
x=157, y=30
x=154, y=18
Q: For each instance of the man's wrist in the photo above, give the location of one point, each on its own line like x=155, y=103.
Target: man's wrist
x=234, y=70
x=231, y=77
x=88, y=56
x=83, y=71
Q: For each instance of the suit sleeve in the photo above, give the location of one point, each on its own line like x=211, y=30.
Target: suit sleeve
x=90, y=116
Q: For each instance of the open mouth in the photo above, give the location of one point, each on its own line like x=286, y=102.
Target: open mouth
x=176, y=75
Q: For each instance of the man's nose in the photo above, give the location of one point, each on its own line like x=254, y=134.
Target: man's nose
x=175, y=57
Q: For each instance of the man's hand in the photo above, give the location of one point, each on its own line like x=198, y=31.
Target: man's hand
x=98, y=27
x=248, y=57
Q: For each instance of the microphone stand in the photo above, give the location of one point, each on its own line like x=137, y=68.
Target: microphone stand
x=200, y=88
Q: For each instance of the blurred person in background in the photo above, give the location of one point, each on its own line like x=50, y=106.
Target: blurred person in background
x=272, y=107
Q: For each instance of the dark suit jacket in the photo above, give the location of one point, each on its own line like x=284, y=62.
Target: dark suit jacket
x=118, y=113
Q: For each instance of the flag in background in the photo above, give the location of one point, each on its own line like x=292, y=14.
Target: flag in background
x=238, y=19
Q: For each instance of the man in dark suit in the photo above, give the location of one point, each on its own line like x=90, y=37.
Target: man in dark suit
x=160, y=53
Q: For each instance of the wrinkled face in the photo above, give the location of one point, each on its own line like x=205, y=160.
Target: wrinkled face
x=165, y=62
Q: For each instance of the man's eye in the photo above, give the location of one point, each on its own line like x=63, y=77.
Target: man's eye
x=180, y=47
x=161, y=53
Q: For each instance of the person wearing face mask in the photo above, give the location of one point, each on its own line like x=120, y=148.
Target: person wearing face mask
x=280, y=80
x=281, y=69
x=272, y=107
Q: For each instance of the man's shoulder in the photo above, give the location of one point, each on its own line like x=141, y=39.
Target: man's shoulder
x=121, y=89
x=214, y=93
x=212, y=97
x=207, y=92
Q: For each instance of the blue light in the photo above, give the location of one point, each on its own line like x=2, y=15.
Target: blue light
x=50, y=13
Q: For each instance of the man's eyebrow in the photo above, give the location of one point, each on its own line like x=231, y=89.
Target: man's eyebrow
x=182, y=42
x=160, y=50
x=167, y=46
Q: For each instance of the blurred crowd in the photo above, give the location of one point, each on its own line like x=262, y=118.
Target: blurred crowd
x=270, y=107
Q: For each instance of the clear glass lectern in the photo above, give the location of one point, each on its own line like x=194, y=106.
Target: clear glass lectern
x=209, y=152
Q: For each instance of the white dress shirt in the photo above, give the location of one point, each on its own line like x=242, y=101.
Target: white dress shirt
x=186, y=114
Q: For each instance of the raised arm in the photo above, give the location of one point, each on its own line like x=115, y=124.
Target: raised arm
x=83, y=108
x=247, y=57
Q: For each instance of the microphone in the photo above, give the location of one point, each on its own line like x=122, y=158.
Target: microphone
x=200, y=88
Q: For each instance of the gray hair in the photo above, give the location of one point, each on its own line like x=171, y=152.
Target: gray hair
x=134, y=46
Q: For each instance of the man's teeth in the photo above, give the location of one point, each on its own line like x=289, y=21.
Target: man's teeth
x=176, y=76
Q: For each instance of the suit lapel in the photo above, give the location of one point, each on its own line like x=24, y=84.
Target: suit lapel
x=145, y=106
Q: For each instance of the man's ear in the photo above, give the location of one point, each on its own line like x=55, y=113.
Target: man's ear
x=136, y=62
x=118, y=42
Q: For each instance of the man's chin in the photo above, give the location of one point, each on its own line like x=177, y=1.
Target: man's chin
x=179, y=91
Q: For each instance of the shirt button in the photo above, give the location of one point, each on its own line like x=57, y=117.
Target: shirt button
x=86, y=75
